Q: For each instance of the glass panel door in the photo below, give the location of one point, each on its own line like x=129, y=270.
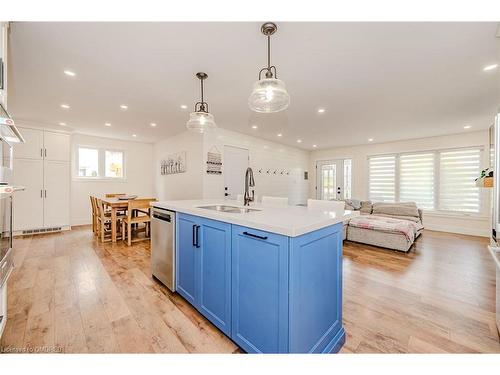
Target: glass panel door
x=330, y=179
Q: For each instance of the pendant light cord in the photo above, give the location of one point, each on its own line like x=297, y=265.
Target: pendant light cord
x=202, y=91
x=269, y=52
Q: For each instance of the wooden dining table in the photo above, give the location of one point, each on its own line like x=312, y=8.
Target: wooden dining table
x=116, y=205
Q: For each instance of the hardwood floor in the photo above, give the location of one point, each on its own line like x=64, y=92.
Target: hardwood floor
x=69, y=293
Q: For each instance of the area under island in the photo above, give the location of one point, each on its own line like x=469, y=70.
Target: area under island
x=270, y=278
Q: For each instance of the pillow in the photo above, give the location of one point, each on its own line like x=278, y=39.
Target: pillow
x=396, y=209
x=366, y=207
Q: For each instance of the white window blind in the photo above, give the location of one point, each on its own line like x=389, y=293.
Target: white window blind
x=457, y=190
x=382, y=178
x=416, y=179
x=436, y=180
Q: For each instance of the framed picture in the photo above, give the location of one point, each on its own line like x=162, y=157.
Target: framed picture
x=174, y=163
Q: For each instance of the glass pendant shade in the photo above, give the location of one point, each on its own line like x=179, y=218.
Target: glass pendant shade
x=200, y=122
x=269, y=95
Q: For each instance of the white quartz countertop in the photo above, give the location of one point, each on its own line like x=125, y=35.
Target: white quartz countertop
x=290, y=221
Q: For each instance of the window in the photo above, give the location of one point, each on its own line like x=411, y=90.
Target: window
x=114, y=164
x=88, y=162
x=457, y=190
x=328, y=176
x=347, y=178
x=382, y=180
x=99, y=163
x=416, y=179
x=436, y=180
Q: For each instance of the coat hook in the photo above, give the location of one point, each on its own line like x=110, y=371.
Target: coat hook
x=260, y=170
x=268, y=171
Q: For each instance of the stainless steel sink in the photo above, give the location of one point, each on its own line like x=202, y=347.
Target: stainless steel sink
x=230, y=209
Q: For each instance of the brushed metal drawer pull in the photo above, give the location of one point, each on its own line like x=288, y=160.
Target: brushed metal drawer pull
x=255, y=236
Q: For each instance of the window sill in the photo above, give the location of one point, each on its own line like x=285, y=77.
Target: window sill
x=99, y=179
x=458, y=215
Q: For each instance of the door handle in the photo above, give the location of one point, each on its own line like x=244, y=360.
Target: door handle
x=194, y=235
x=255, y=236
x=197, y=236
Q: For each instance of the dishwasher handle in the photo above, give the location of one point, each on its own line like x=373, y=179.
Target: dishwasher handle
x=162, y=216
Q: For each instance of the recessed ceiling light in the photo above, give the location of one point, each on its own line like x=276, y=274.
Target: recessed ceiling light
x=299, y=140
x=467, y=126
x=370, y=139
x=123, y=106
x=255, y=127
x=321, y=110
x=183, y=106
x=65, y=106
x=279, y=135
x=69, y=73
x=153, y=124
x=107, y=124
x=62, y=123
x=490, y=67
x=134, y=135
x=315, y=146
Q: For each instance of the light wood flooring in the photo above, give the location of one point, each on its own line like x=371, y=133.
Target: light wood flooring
x=71, y=294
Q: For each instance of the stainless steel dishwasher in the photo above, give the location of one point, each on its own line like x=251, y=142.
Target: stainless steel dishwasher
x=163, y=246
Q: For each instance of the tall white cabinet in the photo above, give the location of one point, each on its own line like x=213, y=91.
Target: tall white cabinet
x=42, y=165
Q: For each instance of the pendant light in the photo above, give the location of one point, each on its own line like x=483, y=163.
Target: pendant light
x=269, y=94
x=201, y=120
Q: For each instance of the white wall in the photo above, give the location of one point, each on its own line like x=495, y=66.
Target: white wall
x=264, y=156
x=187, y=185
x=196, y=183
x=138, y=174
x=466, y=224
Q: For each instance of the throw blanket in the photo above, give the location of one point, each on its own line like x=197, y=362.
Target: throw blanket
x=387, y=224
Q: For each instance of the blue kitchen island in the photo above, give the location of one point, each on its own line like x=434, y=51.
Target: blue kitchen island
x=270, y=279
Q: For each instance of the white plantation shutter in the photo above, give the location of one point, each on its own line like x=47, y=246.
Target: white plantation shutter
x=416, y=179
x=457, y=171
x=382, y=178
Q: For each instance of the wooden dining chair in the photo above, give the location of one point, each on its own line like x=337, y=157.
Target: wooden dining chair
x=104, y=222
x=93, y=205
x=138, y=212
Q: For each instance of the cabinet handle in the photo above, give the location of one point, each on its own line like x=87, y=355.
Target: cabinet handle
x=45, y=152
x=197, y=236
x=194, y=235
x=255, y=236
x=41, y=152
x=45, y=193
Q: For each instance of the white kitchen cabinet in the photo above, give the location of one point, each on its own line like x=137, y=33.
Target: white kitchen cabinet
x=28, y=204
x=33, y=147
x=42, y=165
x=56, y=193
x=41, y=144
x=56, y=146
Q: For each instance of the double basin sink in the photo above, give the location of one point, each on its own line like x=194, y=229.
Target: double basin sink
x=229, y=209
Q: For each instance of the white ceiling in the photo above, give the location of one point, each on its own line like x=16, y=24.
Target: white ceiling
x=386, y=81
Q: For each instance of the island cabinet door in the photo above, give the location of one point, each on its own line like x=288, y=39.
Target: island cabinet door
x=316, y=291
x=215, y=273
x=259, y=290
x=187, y=277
